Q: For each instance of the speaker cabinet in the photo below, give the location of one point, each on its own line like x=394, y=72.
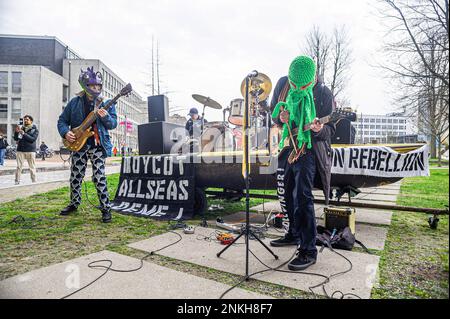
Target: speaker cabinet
x=158, y=108
x=159, y=137
x=345, y=133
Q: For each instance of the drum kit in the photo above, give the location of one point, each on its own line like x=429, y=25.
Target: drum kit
x=221, y=136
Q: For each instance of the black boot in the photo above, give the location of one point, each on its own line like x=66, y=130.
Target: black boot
x=106, y=216
x=69, y=209
x=287, y=240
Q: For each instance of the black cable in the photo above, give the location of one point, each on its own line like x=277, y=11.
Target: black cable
x=109, y=268
x=322, y=284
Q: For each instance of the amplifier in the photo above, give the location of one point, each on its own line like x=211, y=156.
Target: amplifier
x=159, y=137
x=339, y=217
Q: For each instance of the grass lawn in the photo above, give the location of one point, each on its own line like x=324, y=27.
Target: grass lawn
x=33, y=235
x=414, y=263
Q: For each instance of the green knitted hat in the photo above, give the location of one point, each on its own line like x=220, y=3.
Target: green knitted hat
x=302, y=70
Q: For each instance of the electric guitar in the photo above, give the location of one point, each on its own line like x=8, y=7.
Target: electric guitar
x=291, y=140
x=83, y=132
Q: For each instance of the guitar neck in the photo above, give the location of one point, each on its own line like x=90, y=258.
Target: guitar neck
x=91, y=118
x=322, y=120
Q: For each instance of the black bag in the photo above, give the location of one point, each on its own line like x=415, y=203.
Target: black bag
x=342, y=239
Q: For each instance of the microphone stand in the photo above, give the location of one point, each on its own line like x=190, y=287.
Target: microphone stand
x=246, y=229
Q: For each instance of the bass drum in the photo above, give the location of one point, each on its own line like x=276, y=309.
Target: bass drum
x=217, y=137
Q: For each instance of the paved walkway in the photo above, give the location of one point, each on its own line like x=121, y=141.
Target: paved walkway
x=150, y=282
x=46, y=181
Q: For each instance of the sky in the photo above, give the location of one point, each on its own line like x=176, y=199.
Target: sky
x=206, y=47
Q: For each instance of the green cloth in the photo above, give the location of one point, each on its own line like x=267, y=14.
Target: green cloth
x=299, y=102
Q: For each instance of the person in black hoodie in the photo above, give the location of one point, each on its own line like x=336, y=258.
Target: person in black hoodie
x=303, y=91
x=3, y=146
x=26, y=136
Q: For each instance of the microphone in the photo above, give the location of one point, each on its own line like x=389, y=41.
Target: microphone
x=253, y=74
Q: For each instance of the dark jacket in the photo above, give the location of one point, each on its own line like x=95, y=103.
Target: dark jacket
x=28, y=141
x=74, y=114
x=324, y=102
x=190, y=125
x=3, y=143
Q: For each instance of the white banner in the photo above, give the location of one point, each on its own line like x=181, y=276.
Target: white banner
x=380, y=161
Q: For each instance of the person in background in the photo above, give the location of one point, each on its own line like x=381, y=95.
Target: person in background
x=43, y=148
x=115, y=151
x=26, y=136
x=3, y=145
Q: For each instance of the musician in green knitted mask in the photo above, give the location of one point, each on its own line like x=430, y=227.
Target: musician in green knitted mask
x=296, y=100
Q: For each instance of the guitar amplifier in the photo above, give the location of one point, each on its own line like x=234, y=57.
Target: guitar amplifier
x=339, y=217
x=159, y=137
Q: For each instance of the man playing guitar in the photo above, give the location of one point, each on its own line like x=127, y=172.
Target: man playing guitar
x=300, y=99
x=96, y=148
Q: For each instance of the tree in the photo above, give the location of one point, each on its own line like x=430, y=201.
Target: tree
x=416, y=53
x=332, y=55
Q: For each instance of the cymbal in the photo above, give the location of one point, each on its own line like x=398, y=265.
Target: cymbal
x=259, y=86
x=207, y=101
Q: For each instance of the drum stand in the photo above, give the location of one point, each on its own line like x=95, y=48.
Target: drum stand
x=246, y=229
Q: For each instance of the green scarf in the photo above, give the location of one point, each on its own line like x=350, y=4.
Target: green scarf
x=299, y=102
x=26, y=128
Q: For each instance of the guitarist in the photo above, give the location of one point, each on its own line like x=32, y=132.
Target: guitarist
x=97, y=147
x=307, y=99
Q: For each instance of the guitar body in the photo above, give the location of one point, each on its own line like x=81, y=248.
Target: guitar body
x=81, y=138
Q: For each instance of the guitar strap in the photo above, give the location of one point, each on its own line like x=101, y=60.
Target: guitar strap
x=284, y=92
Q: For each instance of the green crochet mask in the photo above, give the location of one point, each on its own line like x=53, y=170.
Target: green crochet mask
x=300, y=99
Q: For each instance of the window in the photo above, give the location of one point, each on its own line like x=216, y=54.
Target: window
x=3, y=82
x=378, y=120
x=395, y=121
x=372, y=120
x=16, y=82
x=395, y=127
x=378, y=127
x=389, y=120
x=383, y=127
x=65, y=92
x=383, y=121
x=16, y=109
x=3, y=108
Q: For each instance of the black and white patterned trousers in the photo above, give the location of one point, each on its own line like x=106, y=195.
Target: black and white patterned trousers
x=78, y=170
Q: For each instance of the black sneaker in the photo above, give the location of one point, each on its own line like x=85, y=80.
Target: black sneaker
x=301, y=262
x=66, y=211
x=106, y=216
x=284, y=241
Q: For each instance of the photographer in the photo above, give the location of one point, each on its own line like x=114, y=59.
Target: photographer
x=26, y=136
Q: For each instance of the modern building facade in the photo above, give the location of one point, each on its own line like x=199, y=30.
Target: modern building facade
x=33, y=90
x=39, y=75
x=382, y=128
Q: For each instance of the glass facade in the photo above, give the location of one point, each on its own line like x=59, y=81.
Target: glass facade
x=3, y=82
x=16, y=82
x=3, y=108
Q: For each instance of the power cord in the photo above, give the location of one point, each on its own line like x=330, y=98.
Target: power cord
x=109, y=268
x=322, y=284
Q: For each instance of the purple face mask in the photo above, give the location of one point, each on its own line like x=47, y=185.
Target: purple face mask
x=89, y=77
